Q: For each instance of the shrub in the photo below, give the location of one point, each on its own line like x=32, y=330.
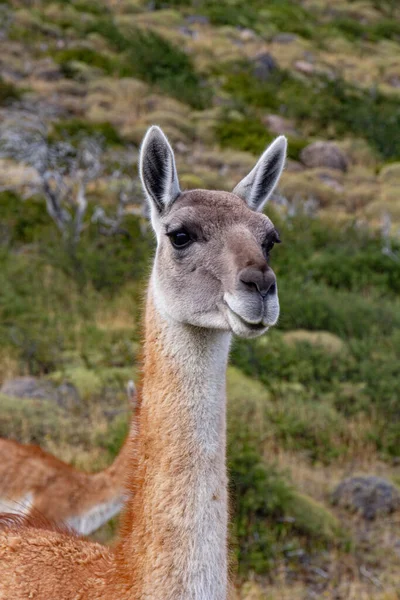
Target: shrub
x=157, y=61
x=242, y=132
x=78, y=129
x=268, y=512
x=90, y=57
x=8, y=92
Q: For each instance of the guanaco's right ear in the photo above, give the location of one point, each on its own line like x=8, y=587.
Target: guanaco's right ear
x=158, y=171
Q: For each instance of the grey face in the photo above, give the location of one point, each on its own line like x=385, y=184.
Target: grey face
x=211, y=268
x=212, y=264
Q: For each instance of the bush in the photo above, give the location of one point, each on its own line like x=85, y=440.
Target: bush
x=8, y=92
x=241, y=132
x=269, y=514
x=78, y=129
x=85, y=55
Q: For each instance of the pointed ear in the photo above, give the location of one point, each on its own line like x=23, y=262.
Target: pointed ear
x=157, y=170
x=256, y=188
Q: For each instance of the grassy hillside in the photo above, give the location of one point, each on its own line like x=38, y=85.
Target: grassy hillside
x=317, y=398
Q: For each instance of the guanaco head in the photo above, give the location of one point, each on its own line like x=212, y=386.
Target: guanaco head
x=211, y=267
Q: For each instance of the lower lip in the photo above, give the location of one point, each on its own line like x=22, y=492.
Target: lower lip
x=251, y=326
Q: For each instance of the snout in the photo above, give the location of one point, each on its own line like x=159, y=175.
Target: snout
x=261, y=280
x=253, y=306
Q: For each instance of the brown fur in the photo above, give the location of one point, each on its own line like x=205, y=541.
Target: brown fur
x=59, y=490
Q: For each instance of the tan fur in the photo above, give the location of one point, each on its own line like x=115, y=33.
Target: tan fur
x=173, y=541
x=56, y=490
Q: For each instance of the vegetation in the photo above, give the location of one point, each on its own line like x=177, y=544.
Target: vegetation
x=315, y=398
x=8, y=92
x=151, y=57
x=320, y=104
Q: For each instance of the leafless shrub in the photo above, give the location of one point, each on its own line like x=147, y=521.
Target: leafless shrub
x=64, y=173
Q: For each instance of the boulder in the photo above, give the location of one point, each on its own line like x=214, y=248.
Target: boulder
x=368, y=496
x=324, y=154
x=263, y=65
x=65, y=395
x=29, y=387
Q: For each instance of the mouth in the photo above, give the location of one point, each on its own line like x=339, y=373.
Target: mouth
x=237, y=322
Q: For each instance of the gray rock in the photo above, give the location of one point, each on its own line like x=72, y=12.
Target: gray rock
x=263, y=65
x=29, y=387
x=68, y=396
x=368, y=496
x=324, y=154
x=65, y=395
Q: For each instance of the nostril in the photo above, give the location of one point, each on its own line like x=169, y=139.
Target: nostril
x=272, y=289
x=251, y=285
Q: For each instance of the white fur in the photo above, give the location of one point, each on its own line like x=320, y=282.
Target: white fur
x=250, y=188
x=170, y=178
x=200, y=356
x=95, y=517
x=17, y=507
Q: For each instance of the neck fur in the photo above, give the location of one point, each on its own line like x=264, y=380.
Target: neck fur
x=176, y=522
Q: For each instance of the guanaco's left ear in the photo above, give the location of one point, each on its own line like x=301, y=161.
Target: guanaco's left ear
x=259, y=184
x=157, y=170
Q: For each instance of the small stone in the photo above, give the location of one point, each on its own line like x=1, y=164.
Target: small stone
x=197, y=20
x=285, y=38
x=247, y=35
x=304, y=67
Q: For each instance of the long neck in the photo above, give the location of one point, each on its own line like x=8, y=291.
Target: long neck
x=175, y=542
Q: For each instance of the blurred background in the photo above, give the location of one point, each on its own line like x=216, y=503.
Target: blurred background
x=315, y=403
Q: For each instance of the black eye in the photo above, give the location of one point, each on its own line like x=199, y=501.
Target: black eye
x=180, y=239
x=267, y=247
x=270, y=243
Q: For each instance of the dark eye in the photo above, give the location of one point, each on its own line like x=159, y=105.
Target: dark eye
x=270, y=243
x=267, y=247
x=180, y=239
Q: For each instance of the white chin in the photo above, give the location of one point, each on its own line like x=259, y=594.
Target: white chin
x=243, y=329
